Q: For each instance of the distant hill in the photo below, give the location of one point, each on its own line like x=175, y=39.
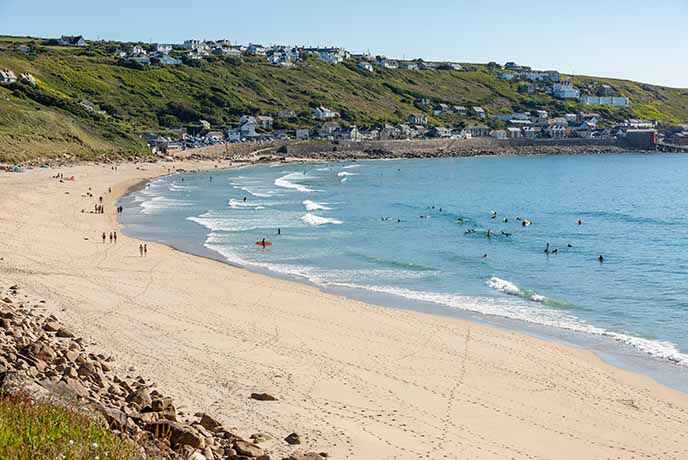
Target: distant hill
x=60, y=115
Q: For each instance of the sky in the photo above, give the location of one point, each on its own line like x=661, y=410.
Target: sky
x=635, y=39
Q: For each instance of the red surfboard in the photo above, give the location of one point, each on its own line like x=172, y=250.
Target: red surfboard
x=260, y=243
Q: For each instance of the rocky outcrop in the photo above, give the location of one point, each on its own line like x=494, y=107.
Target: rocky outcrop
x=40, y=357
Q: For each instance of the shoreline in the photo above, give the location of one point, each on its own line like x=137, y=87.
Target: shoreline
x=313, y=349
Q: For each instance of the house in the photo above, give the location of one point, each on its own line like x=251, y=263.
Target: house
x=256, y=50
x=585, y=130
x=477, y=131
x=479, y=112
x=119, y=53
x=264, y=121
x=72, y=40
x=460, y=110
x=493, y=65
x=27, y=78
x=514, y=133
x=417, y=119
x=164, y=49
x=555, y=131
x=303, y=134
x=248, y=128
x=166, y=60
x=527, y=89
x=137, y=50
x=323, y=113
x=23, y=48
x=328, y=129
x=498, y=134
x=558, y=121
x=387, y=64
x=226, y=51
x=442, y=109
x=440, y=131
x=604, y=100
x=571, y=117
x=350, y=134
x=506, y=76
x=139, y=60
x=565, y=90
x=422, y=101
x=454, y=66
x=529, y=132
x=234, y=135
x=365, y=66
x=333, y=55
x=605, y=91
x=408, y=65
x=388, y=132
x=7, y=77
x=195, y=45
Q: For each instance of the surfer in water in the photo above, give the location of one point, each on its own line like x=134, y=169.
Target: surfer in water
x=547, y=249
x=600, y=259
x=579, y=222
x=262, y=243
x=279, y=232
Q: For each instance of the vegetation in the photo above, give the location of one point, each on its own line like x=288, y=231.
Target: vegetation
x=39, y=430
x=48, y=120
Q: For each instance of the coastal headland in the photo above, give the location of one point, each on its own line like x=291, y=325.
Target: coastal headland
x=354, y=380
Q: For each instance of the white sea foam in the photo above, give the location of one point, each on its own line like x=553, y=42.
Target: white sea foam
x=286, y=182
x=312, y=219
x=240, y=204
x=256, y=191
x=507, y=287
x=346, y=173
x=160, y=203
x=351, y=166
x=313, y=206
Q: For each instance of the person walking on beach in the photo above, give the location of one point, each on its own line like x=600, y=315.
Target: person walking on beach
x=114, y=235
x=103, y=237
x=141, y=250
x=110, y=237
x=145, y=250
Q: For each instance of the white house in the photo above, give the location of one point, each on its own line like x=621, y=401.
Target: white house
x=479, y=112
x=164, y=49
x=303, y=134
x=498, y=134
x=264, y=121
x=137, y=50
x=28, y=78
x=514, y=133
x=333, y=55
x=613, y=101
x=365, y=66
x=387, y=64
x=328, y=129
x=417, y=119
x=565, y=90
x=408, y=65
x=256, y=50
x=556, y=131
x=72, y=40
x=7, y=77
x=323, y=113
x=195, y=45
x=477, y=131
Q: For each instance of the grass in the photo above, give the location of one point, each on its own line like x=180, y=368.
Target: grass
x=220, y=90
x=44, y=431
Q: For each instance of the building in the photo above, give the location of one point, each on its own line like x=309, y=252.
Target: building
x=286, y=114
x=72, y=40
x=303, y=134
x=323, y=113
x=408, y=65
x=164, y=49
x=442, y=109
x=137, y=50
x=333, y=55
x=514, y=133
x=460, y=110
x=479, y=112
x=256, y=50
x=440, y=131
x=506, y=76
x=555, y=131
x=23, y=48
x=264, y=122
x=366, y=66
x=387, y=64
x=498, y=134
x=613, y=101
x=350, y=134
x=195, y=45
x=565, y=90
x=477, y=131
x=7, y=77
x=328, y=129
x=645, y=139
x=27, y=78
x=417, y=119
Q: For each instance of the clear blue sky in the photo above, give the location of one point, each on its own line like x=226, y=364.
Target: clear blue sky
x=636, y=39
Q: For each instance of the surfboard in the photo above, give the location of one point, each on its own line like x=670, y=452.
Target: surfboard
x=260, y=243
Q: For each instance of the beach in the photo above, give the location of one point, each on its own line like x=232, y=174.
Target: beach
x=354, y=380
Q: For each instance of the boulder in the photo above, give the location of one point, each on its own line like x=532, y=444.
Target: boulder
x=263, y=397
x=260, y=437
x=64, y=334
x=177, y=433
x=293, y=439
x=52, y=326
x=39, y=350
x=165, y=407
x=140, y=397
x=247, y=449
x=209, y=423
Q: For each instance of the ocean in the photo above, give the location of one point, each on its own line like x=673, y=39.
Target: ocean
x=463, y=237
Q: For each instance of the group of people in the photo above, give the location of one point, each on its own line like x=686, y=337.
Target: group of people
x=113, y=237
x=143, y=250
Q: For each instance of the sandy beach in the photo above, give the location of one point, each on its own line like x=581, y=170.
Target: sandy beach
x=356, y=381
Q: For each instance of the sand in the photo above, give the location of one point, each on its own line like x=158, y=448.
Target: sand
x=354, y=380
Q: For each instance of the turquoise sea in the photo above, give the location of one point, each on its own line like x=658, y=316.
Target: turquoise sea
x=414, y=234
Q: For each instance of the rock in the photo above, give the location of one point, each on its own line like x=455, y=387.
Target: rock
x=87, y=369
x=140, y=397
x=247, y=449
x=196, y=456
x=52, y=326
x=263, y=397
x=145, y=418
x=115, y=418
x=260, y=437
x=39, y=350
x=65, y=334
x=210, y=423
x=177, y=433
x=165, y=407
x=293, y=439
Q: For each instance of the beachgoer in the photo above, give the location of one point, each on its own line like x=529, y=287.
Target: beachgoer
x=262, y=243
x=489, y=233
x=279, y=231
x=141, y=250
x=103, y=237
x=110, y=237
x=505, y=220
x=579, y=222
x=484, y=256
x=244, y=199
x=114, y=234
x=145, y=249
x=569, y=245
x=547, y=249
x=600, y=258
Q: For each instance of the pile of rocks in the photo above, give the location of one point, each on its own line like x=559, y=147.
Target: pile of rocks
x=41, y=357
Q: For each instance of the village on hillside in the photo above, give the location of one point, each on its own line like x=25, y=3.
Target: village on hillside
x=327, y=124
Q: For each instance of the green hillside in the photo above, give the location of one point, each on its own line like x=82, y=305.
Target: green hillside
x=48, y=120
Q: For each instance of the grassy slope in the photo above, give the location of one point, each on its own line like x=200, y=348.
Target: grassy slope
x=220, y=91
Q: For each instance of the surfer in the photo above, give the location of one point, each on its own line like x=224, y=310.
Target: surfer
x=459, y=221
x=547, y=249
x=494, y=214
x=279, y=232
x=484, y=256
x=244, y=199
x=505, y=220
x=262, y=243
x=489, y=233
x=579, y=222
x=600, y=259
x=506, y=234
